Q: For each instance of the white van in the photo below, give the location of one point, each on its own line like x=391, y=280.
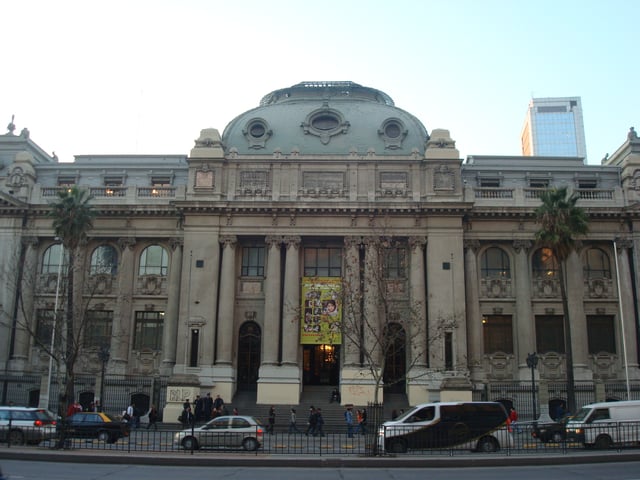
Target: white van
x=478, y=426
x=607, y=424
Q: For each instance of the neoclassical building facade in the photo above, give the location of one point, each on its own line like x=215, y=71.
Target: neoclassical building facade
x=219, y=270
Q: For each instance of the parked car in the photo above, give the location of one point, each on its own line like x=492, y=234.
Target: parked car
x=607, y=425
x=554, y=432
x=229, y=431
x=19, y=425
x=99, y=425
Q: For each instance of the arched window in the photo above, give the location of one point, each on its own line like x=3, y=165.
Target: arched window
x=596, y=264
x=53, y=258
x=495, y=263
x=154, y=260
x=544, y=264
x=104, y=260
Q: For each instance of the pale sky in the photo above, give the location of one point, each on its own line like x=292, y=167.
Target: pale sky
x=144, y=77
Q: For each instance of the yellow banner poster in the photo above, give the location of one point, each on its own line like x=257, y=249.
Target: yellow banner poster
x=321, y=311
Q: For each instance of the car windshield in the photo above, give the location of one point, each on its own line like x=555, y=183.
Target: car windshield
x=581, y=415
x=44, y=415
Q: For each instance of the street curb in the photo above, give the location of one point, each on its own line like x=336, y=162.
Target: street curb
x=264, y=460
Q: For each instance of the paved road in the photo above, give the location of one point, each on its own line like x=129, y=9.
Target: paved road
x=26, y=470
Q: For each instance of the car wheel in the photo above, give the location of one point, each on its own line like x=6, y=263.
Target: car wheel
x=104, y=436
x=397, y=446
x=250, y=444
x=488, y=445
x=16, y=437
x=557, y=437
x=189, y=443
x=603, y=442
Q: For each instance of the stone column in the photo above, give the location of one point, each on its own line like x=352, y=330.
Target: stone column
x=371, y=317
x=627, y=320
x=25, y=312
x=577, y=317
x=291, y=307
x=351, y=313
x=418, y=299
x=171, y=318
x=271, y=331
x=122, y=319
x=227, y=301
x=523, y=324
x=474, y=316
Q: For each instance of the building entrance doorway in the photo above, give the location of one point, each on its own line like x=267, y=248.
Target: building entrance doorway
x=321, y=364
x=249, y=340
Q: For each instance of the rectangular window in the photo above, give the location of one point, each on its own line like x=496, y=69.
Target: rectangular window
x=160, y=181
x=44, y=326
x=497, y=332
x=549, y=333
x=395, y=262
x=66, y=181
x=98, y=329
x=148, y=332
x=601, y=333
x=195, y=341
x=490, y=182
x=322, y=262
x=448, y=351
x=539, y=183
x=252, y=262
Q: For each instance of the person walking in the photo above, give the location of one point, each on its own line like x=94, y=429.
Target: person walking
x=348, y=418
x=319, y=423
x=311, y=424
x=293, y=427
x=153, y=418
x=272, y=420
x=513, y=420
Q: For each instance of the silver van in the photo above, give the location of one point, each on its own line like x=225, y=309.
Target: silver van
x=477, y=426
x=607, y=424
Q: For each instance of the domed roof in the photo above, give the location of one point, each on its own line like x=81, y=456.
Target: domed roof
x=325, y=118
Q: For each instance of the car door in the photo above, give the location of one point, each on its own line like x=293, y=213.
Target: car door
x=238, y=430
x=214, y=436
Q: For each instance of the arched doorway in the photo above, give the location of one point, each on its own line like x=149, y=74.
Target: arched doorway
x=395, y=365
x=249, y=341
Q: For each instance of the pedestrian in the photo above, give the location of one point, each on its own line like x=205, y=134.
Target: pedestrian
x=362, y=421
x=153, y=418
x=293, y=427
x=272, y=420
x=207, y=406
x=235, y=411
x=199, y=408
x=187, y=418
x=348, y=418
x=311, y=423
x=129, y=415
x=513, y=420
x=319, y=423
x=218, y=403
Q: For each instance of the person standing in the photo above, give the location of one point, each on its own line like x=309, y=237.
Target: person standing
x=153, y=418
x=199, y=408
x=513, y=420
x=348, y=418
x=293, y=427
x=218, y=403
x=207, y=405
x=363, y=421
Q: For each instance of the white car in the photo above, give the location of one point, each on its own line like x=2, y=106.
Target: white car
x=229, y=431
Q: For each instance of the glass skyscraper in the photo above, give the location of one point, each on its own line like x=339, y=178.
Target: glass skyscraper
x=554, y=127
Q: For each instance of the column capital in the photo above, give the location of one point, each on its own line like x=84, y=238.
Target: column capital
x=473, y=245
x=417, y=242
x=623, y=243
x=228, y=240
x=352, y=241
x=273, y=240
x=175, y=242
x=126, y=243
x=292, y=241
x=522, y=245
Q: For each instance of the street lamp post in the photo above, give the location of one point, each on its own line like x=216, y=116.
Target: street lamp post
x=532, y=363
x=103, y=354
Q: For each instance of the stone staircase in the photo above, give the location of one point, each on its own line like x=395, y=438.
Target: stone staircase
x=319, y=397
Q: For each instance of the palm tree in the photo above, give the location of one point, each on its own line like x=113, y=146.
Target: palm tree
x=72, y=219
x=561, y=220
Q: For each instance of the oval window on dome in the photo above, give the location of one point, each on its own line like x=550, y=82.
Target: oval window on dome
x=257, y=130
x=392, y=130
x=325, y=122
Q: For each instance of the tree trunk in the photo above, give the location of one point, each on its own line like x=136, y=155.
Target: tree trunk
x=568, y=350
